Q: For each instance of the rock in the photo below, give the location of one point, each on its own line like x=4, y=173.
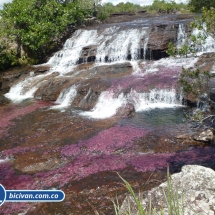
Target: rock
x=122, y=14
x=88, y=54
x=126, y=111
x=8, y=78
x=4, y=100
x=88, y=93
x=194, y=184
x=159, y=38
x=184, y=136
x=205, y=136
x=52, y=88
x=112, y=71
x=141, y=11
x=206, y=61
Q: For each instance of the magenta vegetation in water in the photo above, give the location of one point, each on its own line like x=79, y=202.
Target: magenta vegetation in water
x=165, y=77
x=11, y=113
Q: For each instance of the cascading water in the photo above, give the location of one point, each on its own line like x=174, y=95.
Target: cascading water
x=65, y=60
x=65, y=98
x=107, y=105
x=200, y=47
x=25, y=89
x=113, y=44
x=109, y=102
x=182, y=36
x=206, y=46
x=125, y=45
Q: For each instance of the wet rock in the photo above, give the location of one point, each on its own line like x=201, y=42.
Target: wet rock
x=88, y=54
x=51, y=88
x=8, y=78
x=112, y=71
x=184, y=136
x=206, y=61
x=4, y=100
x=209, y=122
x=88, y=70
x=159, y=38
x=205, y=136
x=88, y=93
x=126, y=111
x=195, y=186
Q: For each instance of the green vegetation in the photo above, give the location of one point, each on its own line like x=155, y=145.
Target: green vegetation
x=174, y=204
x=194, y=82
x=165, y=6
x=197, y=5
x=104, y=11
x=206, y=22
x=31, y=30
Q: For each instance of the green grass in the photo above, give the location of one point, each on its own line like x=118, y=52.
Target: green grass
x=174, y=204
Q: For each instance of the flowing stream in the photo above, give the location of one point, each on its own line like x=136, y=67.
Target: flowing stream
x=109, y=103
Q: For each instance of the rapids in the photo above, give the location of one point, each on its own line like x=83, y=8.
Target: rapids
x=109, y=103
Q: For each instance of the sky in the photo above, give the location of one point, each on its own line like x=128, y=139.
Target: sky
x=141, y=2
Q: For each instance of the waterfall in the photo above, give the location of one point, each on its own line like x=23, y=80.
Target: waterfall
x=25, y=89
x=123, y=46
x=109, y=102
x=65, y=98
x=208, y=45
x=182, y=39
x=181, y=36
x=65, y=60
x=156, y=98
x=107, y=105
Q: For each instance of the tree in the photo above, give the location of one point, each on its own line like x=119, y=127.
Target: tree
x=37, y=25
x=197, y=5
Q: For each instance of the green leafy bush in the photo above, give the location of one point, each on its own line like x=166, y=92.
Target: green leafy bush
x=105, y=10
x=37, y=26
x=166, y=6
x=197, y=5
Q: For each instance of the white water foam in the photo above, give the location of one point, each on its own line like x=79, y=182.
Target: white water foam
x=16, y=93
x=119, y=46
x=181, y=36
x=65, y=60
x=65, y=98
x=183, y=39
x=109, y=103
x=25, y=89
x=4, y=160
x=106, y=106
x=154, y=99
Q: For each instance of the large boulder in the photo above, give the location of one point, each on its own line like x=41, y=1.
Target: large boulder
x=194, y=187
x=204, y=136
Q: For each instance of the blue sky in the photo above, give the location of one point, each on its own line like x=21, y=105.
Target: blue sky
x=142, y=2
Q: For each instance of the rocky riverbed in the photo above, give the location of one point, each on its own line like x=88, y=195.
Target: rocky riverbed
x=83, y=124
